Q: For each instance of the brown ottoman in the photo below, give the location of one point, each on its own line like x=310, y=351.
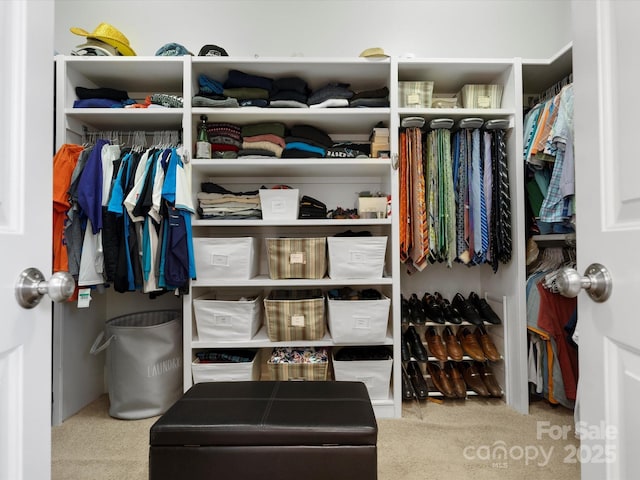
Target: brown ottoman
x=248, y=430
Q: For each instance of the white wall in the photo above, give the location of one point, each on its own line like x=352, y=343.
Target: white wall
x=317, y=28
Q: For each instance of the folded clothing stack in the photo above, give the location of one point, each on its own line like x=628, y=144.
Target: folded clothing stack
x=306, y=141
x=370, y=98
x=333, y=94
x=218, y=203
x=250, y=90
x=264, y=139
x=225, y=139
x=211, y=94
x=101, y=98
x=312, y=208
x=289, y=92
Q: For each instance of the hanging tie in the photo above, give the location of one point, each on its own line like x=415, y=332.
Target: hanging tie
x=504, y=199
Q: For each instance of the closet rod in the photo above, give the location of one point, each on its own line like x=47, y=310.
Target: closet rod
x=555, y=89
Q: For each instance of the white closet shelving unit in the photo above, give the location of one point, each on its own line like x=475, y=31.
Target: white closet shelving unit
x=335, y=182
x=332, y=181
x=504, y=289
x=78, y=376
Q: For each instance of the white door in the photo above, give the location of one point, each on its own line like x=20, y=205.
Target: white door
x=606, y=67
x=26, y=139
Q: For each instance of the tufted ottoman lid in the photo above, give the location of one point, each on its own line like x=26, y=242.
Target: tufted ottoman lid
x=269, y=413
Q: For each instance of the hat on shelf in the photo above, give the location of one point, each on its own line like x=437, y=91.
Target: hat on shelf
x=107, y=33
x=95, y=48
x=375, y=52
x=212, y=51
x=172, y=50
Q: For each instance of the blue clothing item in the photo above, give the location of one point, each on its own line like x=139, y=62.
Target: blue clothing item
x=209, y=85
x=117, y=191
x=176, y=266
x=305, y=147
x=176, y=263
x=169, y=185
x=172, y=50
x=90, y=187
x=98, y=103
x=238, y=79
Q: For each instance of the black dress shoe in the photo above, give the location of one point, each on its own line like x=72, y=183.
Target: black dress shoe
x=408, y=393
x=451, y=314
x=468, y=311
x=418, y=315
x=432, y=308
x=405, y=310
x=404, y=348
x=484, y=308
x=415, y=344
x=417, y=380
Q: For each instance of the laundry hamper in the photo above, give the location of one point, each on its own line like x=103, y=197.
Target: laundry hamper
x=143, y=362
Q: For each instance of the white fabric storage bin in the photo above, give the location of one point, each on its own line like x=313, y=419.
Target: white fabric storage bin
x=225, y=372
x=375, y=374
x=358, y=321
x=221, y=316
x=356, y=257
x=226, y=258
x=280, y=203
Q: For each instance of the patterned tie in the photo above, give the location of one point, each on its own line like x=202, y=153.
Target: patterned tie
x=420, y=231
x=504, y=199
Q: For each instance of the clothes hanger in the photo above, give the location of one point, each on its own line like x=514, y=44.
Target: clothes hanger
x=497, y=124
x=436, y=123
x=471, y=122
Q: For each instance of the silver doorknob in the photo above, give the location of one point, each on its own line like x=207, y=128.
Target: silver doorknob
x=596, y=281
x=31, y=286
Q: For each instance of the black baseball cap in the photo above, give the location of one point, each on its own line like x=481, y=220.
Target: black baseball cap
x=212, y=51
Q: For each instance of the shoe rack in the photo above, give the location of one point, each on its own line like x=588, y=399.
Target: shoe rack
x=446, y=347
x=502, y=291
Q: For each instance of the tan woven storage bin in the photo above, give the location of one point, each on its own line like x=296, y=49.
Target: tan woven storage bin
x=295, y=315
x=297, y=257
x=300, y=371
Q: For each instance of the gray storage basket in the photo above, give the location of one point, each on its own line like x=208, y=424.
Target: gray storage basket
x=144, y=362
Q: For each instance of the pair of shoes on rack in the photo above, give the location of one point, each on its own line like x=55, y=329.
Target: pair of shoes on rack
x=412, y=310
x=443, y=345
x=439, y=310
x=485, y=310
x=488, y=347
x=479, y=377
x=451, y=314
x=416, y=379
x=411, y=338
x=447, y=380
x=469, y=312
x=478, y=345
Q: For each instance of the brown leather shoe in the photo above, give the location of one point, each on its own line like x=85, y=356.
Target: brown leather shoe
x=457, y=381
x=473, y=379
x=454, y=349
x=487, y=345
x=489, y=379
x=470, y=344
x=435, y=345
x=440, y=380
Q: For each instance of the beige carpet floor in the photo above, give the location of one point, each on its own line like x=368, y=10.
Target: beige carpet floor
x=475, y=439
